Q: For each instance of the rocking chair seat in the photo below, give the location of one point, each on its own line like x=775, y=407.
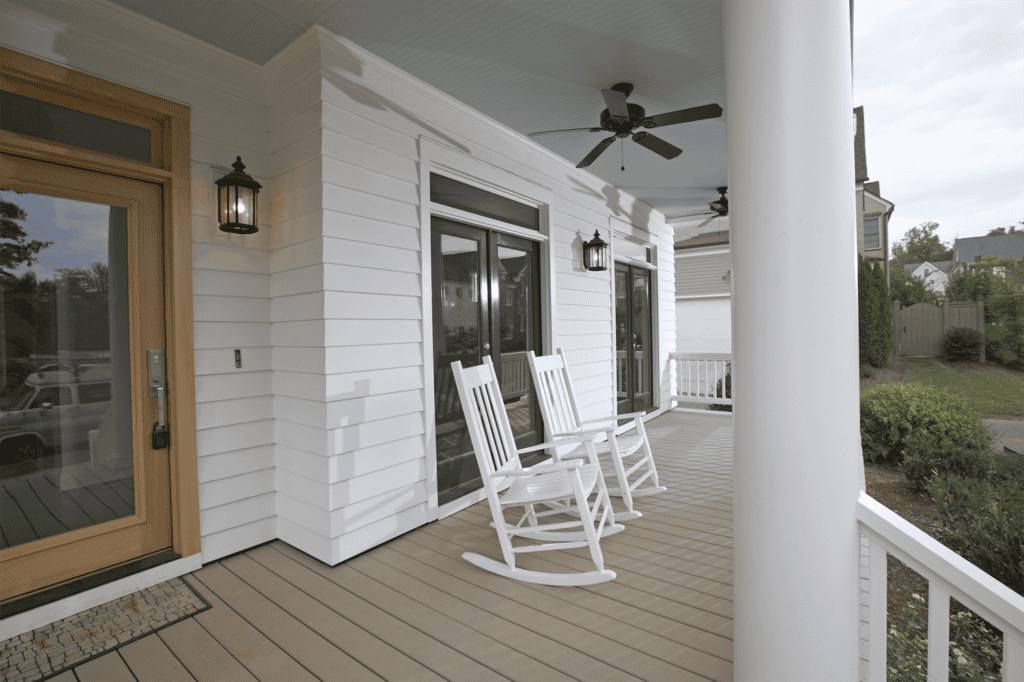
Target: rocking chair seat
x=546, y=487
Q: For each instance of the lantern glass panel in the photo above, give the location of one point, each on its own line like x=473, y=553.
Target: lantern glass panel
x=222, y=204
x=244, y=205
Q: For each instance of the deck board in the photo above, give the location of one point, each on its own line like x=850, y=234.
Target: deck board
x=413, y=609
x=149, y=660
x=106, y=668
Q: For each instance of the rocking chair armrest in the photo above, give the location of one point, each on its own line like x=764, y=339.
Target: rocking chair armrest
x=543, y=468
x=566, y=439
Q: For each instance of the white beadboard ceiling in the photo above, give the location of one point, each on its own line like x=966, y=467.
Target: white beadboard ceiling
x=530, y=64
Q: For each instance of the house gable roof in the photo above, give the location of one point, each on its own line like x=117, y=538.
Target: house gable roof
x=941, y=265
x=968, y=249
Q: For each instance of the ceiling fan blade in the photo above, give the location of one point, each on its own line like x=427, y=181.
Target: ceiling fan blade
x=683, y=116
x=596, y=152
x=657, y=145
x=566, y=130
x=706, y=222
x=616, y=102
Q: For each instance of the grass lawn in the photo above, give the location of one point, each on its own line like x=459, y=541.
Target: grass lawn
x=995, y=392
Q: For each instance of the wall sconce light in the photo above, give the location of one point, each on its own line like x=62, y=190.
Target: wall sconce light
x=595, y=253
x=237, y=196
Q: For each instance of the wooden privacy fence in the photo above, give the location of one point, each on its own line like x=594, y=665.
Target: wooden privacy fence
x=918, y=330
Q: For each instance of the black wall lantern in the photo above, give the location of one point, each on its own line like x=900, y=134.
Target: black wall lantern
x=595, y=253
x=237, y=194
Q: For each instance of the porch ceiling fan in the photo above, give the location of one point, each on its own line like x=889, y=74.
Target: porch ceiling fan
x=622, y=118
x=719, y=208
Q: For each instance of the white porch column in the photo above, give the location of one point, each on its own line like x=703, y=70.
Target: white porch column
x=797, y=472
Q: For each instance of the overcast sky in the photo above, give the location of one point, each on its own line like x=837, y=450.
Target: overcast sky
x=942, y=86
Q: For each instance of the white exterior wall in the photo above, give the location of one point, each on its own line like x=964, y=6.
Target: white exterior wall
x=231, y=280
x=324, y=436
x=703, y=300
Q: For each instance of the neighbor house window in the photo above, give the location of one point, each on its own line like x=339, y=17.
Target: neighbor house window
x=871, y=240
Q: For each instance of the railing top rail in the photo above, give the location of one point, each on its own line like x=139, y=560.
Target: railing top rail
x=965, y=578
x=683, y=355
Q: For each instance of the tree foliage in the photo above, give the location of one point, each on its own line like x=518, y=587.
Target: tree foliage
x=874, y=314
x=1000, y=283
x=921, y=244
x=16, y=248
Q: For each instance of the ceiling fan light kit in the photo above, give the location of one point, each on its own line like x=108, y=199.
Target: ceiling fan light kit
x=622, y=118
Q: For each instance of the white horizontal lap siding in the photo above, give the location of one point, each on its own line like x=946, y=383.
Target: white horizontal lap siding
x=703, y=275
x=231, y=311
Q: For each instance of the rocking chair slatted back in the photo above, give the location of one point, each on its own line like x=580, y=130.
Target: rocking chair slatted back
x=489, y=428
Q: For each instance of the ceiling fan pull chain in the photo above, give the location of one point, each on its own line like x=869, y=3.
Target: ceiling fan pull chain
x=622, y=150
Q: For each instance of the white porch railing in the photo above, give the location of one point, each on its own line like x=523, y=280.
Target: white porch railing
x=697, y=377
x=948, y=575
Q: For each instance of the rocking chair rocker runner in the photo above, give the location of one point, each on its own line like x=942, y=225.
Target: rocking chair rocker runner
x=562, y=418
x=575, y=480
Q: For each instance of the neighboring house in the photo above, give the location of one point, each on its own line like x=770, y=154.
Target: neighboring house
x=934, y=275
x=306, y=365
x=968, y=250
x=873, y=211
x=704, y=292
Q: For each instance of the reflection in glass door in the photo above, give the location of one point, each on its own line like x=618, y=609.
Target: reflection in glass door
x=485, y=303
x=80, y=297
x=634, y=348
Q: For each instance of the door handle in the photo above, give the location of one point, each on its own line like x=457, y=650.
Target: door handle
x=158, y=388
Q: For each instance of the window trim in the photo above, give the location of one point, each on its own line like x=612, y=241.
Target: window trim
x=877, y=233
x=170, y=167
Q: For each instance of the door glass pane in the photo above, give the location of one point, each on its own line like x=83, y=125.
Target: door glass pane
x=515, y=277
x=65, y=405
x=458, y=338
x=623, y=340
x=642, y=346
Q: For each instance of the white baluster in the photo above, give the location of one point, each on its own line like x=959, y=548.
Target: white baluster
x=1013, y=658
x=938, y=632
x=878, y=608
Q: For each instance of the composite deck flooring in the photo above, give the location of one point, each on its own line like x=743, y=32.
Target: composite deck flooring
x=412, y=609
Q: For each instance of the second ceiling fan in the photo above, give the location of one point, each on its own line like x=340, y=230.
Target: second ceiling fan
x=622, y=118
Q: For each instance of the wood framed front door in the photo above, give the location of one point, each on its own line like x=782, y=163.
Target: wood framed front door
x=81, y=487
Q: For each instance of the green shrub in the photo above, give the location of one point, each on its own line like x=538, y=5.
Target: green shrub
x=899, y=418
x=926, y=457
x=975, y=647
x=961, y=343
x=988, y=515
x=865, y=371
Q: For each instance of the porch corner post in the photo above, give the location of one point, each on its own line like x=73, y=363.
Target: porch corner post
x=797, y=474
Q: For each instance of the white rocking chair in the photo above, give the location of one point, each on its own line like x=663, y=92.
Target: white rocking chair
x=562, y=418
x=498, y=458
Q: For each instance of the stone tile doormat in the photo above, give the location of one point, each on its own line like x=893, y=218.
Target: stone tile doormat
x=48, y=651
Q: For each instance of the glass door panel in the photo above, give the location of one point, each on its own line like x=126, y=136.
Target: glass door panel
x=65, y=376
x=460, y=333
x=516, y=326
x=81, y=299
x=633, y=339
